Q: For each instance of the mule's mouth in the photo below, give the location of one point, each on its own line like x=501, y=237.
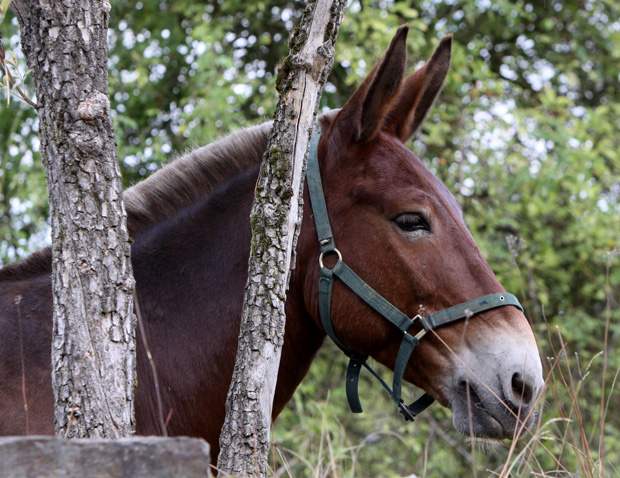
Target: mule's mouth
x=481, y=413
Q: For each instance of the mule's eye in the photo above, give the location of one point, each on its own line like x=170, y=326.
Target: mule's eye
x=410, y=222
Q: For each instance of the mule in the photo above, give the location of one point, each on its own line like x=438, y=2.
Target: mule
x=395, y=224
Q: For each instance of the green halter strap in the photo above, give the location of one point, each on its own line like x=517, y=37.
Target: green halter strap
x=379, y=304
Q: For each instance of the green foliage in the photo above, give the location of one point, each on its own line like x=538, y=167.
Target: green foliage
x=526, y=134
x=23, y=192
x=4, y=7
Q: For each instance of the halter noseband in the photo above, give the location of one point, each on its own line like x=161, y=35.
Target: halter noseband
x=379, y=304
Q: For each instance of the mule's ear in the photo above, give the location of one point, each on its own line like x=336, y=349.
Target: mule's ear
x=365, y=112
x=419, y=92
x=326, y=119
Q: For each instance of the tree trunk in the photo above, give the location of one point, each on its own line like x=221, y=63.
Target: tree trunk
x=276, y=219
x=93, y=343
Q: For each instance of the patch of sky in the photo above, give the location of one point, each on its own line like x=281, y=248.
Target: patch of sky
x=507, y=72
x=472, y=158
x=200, y=47
x=467, y=188
x=483, y=5
x=18, y=206
x=229, y=74
x=131, y=160
x=502, y=110
x=27, y=159
x=526, y=44
x=578, y=111
x=129, y=76
x=239, y=53
x=242, y=90
x=35, y=143
x=143, y=36
x=361, y=69
x=153, y=50
x=543, y=72
x=603, y=205
x=188, y=109
x=128, y=39
x=355, y=6
x=240, y=42
x=157, y=72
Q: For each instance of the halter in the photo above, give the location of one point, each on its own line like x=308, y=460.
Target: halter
x=379, y=304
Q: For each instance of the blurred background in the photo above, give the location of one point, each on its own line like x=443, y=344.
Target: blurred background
x=526, y=134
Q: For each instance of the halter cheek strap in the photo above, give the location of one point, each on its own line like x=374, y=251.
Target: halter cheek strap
x=377, y=302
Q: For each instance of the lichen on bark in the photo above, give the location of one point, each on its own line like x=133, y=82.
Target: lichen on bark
x=275, y=221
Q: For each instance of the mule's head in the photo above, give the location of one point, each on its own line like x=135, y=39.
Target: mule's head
x=402, y=231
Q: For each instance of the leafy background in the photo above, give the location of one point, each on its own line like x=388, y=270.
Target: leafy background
x=526, y=134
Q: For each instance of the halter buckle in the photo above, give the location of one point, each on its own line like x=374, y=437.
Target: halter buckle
x=406, y=413
x=422, y=332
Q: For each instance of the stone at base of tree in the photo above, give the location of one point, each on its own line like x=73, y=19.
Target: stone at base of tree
x=149, y=457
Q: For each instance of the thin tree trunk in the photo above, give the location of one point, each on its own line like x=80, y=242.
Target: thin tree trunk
x=93, y=343
x=276, y=220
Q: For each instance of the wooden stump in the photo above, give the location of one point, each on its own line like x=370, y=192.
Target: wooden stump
x=148, y=457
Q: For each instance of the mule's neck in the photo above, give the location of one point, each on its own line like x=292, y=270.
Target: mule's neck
x=302, y=341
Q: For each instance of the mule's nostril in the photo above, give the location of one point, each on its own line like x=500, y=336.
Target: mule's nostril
x=523, y=392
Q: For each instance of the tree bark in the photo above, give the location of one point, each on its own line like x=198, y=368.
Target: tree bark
x=93, y=343
x=276, y=220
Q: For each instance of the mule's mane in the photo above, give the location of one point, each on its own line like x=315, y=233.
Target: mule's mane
x=176, y=185
x=192, y=176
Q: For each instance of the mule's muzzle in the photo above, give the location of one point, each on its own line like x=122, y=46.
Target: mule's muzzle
x=505, y=410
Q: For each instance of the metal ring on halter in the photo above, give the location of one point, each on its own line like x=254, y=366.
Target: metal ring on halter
x=329, y=252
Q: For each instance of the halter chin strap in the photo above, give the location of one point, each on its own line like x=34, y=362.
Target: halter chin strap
x=379, y=304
